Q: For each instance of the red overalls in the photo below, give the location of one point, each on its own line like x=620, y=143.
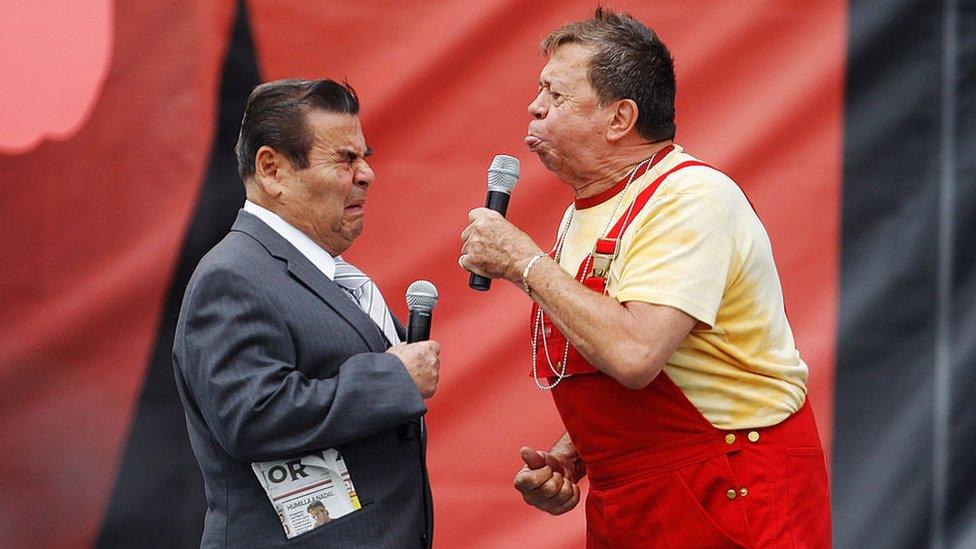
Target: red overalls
x=662, y=476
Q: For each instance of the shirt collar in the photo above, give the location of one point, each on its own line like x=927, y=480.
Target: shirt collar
x=322, y=259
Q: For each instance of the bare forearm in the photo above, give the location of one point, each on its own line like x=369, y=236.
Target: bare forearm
x=629, y=342
x=600, y=328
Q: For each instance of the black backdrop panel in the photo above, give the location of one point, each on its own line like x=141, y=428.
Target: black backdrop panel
x=158, y=498
x=904, y=112
x=961, y=521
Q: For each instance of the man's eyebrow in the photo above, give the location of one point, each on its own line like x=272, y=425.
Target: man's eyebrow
x=548, y=84
x=351, y=154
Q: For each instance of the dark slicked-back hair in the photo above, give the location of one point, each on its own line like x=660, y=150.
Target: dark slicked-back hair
x=629, y=62
x=275, y=115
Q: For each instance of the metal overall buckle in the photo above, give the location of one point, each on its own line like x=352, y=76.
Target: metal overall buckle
x=604, y=253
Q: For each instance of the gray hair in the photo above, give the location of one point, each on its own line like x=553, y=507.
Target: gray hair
x=629, y=61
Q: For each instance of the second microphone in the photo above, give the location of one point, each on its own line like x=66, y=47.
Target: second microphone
x=503, y=174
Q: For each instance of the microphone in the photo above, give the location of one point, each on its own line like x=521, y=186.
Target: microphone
x=503, y=174
x=421, y=300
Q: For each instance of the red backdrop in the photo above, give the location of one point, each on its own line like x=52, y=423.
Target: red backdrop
x=92, y=222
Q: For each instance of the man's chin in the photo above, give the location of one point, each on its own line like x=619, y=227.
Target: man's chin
x=352, y=229
x=547, y=160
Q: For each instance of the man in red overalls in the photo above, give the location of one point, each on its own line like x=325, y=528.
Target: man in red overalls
x=658, y=322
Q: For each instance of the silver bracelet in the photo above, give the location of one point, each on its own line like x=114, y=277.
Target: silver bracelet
x=528, y=267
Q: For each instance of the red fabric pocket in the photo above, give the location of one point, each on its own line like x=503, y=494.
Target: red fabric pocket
x=685, y=509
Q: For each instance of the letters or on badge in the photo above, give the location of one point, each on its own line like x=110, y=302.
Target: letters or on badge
x=308, y=491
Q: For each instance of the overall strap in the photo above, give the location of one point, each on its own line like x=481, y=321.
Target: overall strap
x=608, y=247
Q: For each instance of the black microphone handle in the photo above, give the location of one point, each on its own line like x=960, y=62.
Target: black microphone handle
x=418, y=327
x=497, y=201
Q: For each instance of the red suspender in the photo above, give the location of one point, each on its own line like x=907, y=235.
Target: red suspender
x=621, y=225
x=607, y=247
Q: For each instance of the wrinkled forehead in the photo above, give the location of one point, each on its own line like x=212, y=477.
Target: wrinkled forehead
x=568, y=63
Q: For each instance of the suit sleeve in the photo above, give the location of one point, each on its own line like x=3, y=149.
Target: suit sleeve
x=238, y=360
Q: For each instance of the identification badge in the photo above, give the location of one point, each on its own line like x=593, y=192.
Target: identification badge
x=308, y=491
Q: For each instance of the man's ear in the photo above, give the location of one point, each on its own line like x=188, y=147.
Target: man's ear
x=268, y=167
x=623, y=120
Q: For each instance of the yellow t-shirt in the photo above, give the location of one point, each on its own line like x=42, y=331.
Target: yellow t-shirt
x=699, y=247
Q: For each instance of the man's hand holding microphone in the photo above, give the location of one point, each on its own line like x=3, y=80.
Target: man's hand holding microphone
x=420, y=355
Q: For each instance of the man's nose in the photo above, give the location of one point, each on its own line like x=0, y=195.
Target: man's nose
x=537, y=108
x=365, y=175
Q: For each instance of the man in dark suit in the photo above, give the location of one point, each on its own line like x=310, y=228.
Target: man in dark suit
x=284, y=352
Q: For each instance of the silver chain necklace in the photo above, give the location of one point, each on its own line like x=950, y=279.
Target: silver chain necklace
x=539, y=321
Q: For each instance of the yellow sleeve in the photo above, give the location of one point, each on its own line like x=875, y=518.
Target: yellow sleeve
x=680, y=254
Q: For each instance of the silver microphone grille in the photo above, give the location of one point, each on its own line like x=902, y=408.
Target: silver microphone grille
x=503, y=173
x=422, y=296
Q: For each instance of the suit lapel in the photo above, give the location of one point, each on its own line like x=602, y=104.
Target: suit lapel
x=309, y=276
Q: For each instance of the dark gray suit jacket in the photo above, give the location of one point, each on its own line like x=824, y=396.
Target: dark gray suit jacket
x=273, y=360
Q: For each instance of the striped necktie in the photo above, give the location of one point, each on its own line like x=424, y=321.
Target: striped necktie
x=367, y=295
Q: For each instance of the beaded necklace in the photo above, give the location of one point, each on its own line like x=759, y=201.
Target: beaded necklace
x=539, y=321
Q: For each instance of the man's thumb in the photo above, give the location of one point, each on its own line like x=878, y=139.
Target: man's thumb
x=533, y=458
